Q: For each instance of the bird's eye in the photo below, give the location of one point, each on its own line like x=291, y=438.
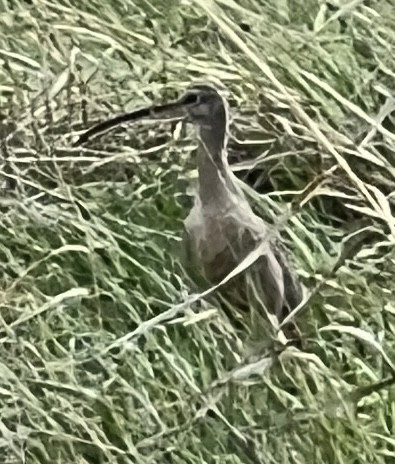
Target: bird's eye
x=191, y=99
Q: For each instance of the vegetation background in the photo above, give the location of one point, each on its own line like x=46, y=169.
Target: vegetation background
x=89, y=370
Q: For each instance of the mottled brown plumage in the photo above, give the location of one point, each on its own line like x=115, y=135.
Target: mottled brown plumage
x=221, y=228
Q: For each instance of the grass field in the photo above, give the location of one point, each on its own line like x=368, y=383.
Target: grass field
x=102, y=359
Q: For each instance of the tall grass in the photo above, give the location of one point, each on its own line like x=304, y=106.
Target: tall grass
x=102, y=357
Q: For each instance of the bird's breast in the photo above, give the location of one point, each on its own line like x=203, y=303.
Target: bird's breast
x=220, y=240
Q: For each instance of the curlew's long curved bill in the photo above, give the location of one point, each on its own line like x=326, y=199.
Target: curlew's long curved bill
x=171, y=112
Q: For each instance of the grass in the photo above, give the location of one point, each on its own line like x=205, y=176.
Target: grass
x=102, y=359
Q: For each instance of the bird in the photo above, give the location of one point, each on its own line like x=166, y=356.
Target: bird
x=221, y=229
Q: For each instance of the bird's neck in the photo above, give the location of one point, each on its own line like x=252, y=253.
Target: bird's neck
x=215, y=180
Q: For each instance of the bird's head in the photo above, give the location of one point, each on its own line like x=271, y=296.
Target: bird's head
x=202, y=106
